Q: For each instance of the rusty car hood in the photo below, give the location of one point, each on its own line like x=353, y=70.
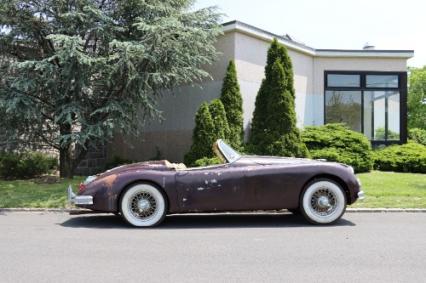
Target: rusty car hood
x=159, y=165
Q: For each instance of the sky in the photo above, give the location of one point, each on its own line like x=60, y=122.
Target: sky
x=334, y=24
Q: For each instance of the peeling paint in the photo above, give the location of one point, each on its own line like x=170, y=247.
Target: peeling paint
x=184, y=199
x=200, y=188
x=109, y=180
x=214, y=181
x=206, y=182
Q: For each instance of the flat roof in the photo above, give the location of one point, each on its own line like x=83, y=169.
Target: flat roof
x=291, y=44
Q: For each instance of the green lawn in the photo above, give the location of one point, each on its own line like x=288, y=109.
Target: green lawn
x=393, y=190
x=27, y=193
x=382, y=189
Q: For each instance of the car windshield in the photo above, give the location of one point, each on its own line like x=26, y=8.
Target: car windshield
x=226, y=152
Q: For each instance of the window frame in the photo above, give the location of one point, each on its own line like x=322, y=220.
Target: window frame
x=402, y=89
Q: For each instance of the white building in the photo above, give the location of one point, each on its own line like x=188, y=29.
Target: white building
x=365, y=88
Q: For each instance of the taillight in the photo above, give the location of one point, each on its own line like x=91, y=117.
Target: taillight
x=81, y=187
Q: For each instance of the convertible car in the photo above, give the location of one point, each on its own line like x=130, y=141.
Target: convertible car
x=144, y=193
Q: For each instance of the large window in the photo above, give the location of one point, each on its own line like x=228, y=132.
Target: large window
x=344, y=106
x=367, y=102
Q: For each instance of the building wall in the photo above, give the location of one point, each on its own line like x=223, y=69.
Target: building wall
x=171, y=138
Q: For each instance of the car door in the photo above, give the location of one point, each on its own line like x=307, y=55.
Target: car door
x=273, y=186
x=213, y=188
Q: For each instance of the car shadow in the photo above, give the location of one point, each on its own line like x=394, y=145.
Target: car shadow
x=205, y=221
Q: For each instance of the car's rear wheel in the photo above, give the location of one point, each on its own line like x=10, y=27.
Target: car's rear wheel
x=143, y=205
x=323, y=202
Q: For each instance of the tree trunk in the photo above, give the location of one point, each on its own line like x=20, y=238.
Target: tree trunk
x=68, y=161
x=65, y=157
x=65, y=164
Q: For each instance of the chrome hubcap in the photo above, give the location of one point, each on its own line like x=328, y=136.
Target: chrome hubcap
x=323, y=202
x=142, y=205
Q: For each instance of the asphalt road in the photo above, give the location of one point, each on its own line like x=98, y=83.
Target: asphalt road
x=362, y=247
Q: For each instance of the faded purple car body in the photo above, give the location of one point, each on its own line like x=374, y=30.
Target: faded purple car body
x=250, y=183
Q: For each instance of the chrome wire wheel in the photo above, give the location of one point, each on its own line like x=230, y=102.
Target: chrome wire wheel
x=323, y=202
x=143, y=205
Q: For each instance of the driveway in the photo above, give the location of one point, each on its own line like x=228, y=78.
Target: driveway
x=362, y=247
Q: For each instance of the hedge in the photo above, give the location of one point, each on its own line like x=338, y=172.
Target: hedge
x=410, y=157
x=25, y=165
x=336, y=142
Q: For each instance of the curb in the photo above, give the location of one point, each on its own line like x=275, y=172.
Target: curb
x=377, y=210
x=350, y=210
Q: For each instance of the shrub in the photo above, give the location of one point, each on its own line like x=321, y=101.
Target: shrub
x=202, y=139
x=207, y=161
x=220, y=122
x=25, y=165
x=410, y=157
x=417, y=135
x=210, y=124
x=233, y=103
x=335, y=142
x=274, y=130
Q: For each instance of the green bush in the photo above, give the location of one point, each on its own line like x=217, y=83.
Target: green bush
x=410, y=157
x=417, y=135
x=210, y=124
x=233, y=103
x=207, y=161
x=335, y=142
x=25, y=165
x=202, y=139
x=274, y=130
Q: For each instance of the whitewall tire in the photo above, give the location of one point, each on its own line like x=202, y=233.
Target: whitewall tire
x=323, y=202
x=143, y=205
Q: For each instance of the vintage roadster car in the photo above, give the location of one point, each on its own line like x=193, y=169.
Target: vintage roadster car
x=143, y=193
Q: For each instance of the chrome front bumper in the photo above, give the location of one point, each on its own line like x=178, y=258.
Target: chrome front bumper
x=75, y=199
x=361, y=195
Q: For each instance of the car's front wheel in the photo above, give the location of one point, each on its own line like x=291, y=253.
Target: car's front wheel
x=323, y=202
x=143, y=205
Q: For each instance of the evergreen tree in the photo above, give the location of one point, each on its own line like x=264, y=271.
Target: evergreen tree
x=210, y=125
x=233, y=103
x=274, y=130
x=258, y=124
x=220, y=122
x=73, y=73
x=202, y=138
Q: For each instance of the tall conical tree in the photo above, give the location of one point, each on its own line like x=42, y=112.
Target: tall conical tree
x=220, y=122
x=202, y=138
x=258, y=123
x=274, y=130
x=233, y=103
